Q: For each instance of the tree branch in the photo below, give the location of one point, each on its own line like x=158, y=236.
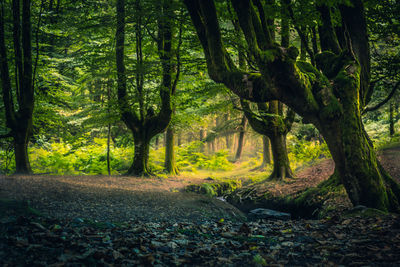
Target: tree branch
x=390, y=95
x=37, y=44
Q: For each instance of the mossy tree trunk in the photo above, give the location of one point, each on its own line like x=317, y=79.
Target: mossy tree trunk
x=266, y=151
x=281, y=168
x=139, y=166
x=242, y=131
x=19, y=116
x=330, y=96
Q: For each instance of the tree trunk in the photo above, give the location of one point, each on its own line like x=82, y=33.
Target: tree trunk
x=201, y=138
x=391, y=119
x=170, y=163
x=360, y=172
x=266, y=151
x=108, y=149
x=139, y=166
x=179, y=139
x=241, y=138
x=22, y=165
x=157, y=142
x=280, y=156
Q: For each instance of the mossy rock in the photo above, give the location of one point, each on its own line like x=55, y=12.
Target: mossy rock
x=214, y=189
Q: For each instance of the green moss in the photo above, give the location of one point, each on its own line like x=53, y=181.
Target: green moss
x=269, y=55
x=333, y=108
x=215, y=189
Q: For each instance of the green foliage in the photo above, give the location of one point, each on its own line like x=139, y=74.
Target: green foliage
x=309, y=150
x=60, y=158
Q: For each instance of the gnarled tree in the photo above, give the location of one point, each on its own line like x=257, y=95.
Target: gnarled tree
x=19, y=114
x=330, y=96
x=145, y=123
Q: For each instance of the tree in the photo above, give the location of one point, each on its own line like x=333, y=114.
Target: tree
x=19, y=114
x=170, y=161
x=330, y=96
x=270, y=122
x=242, y=131
x=145, y=123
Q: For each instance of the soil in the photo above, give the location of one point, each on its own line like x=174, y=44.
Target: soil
x=116, y=199
x=125, y=221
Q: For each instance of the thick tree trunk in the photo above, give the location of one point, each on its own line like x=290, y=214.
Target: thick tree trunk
x=266, y=151
x=360, y=172
x=280, y=157
x=170, y=163
x=22, y=165
x=241, y=138
x=139, y=166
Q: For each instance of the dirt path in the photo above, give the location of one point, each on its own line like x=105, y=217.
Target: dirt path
x=115, y=198
x=150, y=199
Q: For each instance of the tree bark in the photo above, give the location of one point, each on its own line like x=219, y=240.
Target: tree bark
x=170, y=162
x=266, y=151
x=359, y=170
x=242, y=131
x=281, y=161
x=139, y=166
x=21, y=154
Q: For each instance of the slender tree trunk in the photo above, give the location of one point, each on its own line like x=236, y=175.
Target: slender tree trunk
x=201, y=138
x=170, y=162
x=157, y=142
x=179, y=138
x=108, y=149
x=280, y=156
x=266, y=151
x=239, y=149
x=139, y=166
x=391, y=119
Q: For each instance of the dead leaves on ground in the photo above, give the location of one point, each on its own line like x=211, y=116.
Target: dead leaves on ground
x=31, y=240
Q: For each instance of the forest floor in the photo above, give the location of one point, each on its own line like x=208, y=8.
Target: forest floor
x=122, y=221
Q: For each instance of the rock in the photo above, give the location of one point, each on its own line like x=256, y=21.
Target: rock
x=268, y=214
